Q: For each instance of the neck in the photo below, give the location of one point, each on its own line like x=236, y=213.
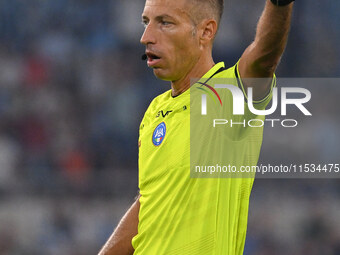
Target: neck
x=202, y=66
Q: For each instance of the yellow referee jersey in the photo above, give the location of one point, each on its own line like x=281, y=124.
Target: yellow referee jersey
x=180, y=215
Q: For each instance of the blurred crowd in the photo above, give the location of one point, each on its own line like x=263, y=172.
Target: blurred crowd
x=73, y=91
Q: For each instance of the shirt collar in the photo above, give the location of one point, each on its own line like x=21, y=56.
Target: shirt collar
x=213, y=70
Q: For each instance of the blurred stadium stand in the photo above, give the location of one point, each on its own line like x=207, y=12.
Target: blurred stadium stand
x=73, y=91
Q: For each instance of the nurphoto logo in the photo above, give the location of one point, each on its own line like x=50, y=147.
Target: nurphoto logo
x=239, y=106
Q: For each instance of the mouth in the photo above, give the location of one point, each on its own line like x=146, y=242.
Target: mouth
x=153, y=59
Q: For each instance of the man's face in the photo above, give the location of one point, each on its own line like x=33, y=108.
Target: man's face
x=172, y=46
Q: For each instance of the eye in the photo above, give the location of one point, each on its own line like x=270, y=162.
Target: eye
x=144, y=23
x=165, y=23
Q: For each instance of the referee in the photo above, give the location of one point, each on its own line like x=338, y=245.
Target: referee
x=175, y=214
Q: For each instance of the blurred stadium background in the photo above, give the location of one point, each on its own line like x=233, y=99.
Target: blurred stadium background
x=73, y=91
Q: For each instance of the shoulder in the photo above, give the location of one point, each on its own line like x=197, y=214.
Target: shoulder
x=230, y=72
x=155, y=104
x=161, y=98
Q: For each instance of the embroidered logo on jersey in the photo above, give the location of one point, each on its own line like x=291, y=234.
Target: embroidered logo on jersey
x=164, y=114
x=159, y=134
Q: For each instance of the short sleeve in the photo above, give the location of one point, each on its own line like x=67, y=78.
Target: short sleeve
x=259, y=104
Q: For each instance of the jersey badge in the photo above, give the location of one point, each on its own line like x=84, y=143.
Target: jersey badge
x=159, y=134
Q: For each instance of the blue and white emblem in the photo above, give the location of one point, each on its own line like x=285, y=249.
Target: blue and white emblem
x=159, y=134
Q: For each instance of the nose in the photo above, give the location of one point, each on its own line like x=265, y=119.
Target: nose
x=148, y=36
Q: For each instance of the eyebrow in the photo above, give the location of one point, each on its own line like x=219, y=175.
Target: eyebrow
x=159, y=17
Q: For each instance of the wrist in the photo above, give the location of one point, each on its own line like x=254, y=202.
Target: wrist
x=281, y=2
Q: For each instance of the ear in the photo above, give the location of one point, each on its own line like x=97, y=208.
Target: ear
x=208, y=30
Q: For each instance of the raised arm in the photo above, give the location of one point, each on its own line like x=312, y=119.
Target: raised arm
x=262, y=57
x=119, y=242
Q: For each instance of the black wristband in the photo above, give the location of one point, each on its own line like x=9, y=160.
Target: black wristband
x=282, y=2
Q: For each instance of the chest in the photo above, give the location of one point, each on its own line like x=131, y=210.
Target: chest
x=164, y=142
